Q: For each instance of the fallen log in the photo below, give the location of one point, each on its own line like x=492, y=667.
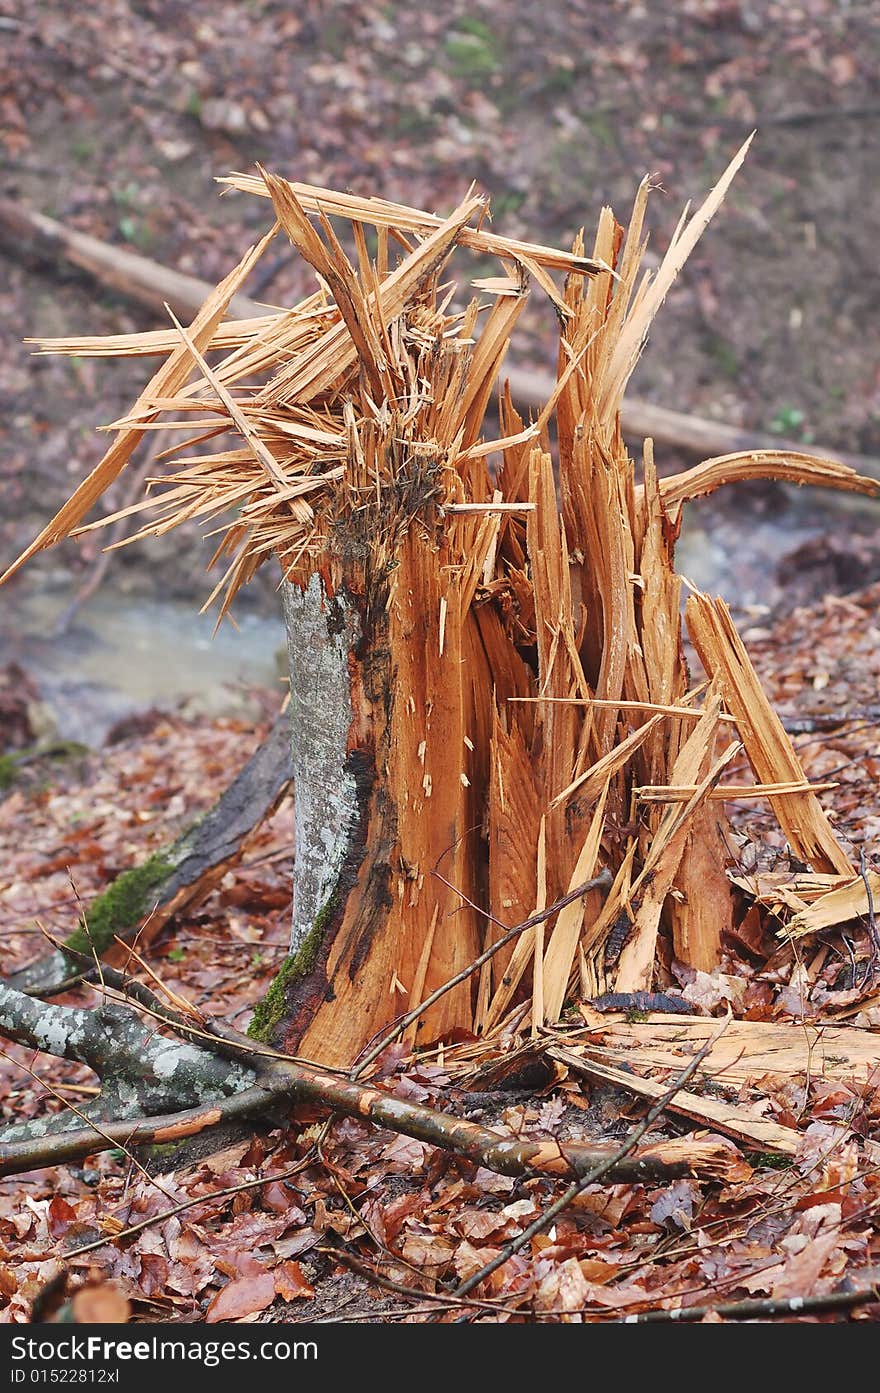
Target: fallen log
x=32, y=236
x=142, y=900
x=679, y=430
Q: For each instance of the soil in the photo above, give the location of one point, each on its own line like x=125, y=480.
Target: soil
x=117, y=116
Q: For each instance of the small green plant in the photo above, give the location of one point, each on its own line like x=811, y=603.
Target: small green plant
x=600, y=127
x=770, y=1160
x=469, y=24
x=788, y=418
x=509, y=201
x=559, y=81
x=176, y=954
x=128, y=196
x=411, y=124
x=724, y=355
x=472, y=50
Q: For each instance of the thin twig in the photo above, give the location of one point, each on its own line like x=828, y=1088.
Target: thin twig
x=757, y=1309
x=445, y=1300
x=872, y=926
x=191, y=1203
x=600, y=882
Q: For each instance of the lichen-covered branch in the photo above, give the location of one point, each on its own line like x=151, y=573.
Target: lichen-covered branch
x=145, y=1075
x=59, y=1146
x=141, y=1072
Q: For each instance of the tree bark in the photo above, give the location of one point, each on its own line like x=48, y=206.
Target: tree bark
x=380, y=708
x=141, y=1072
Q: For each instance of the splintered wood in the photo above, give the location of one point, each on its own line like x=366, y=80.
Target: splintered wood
x=531, y=715
x=644, y=1057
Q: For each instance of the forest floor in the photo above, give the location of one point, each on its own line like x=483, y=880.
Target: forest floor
x=116, y=122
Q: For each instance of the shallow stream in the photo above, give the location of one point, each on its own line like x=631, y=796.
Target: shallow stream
x=125, y=652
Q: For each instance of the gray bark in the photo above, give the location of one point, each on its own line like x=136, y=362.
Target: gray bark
x=142, y=1073
x=321, y=633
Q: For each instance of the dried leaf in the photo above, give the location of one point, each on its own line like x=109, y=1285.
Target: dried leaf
x=246, y=1296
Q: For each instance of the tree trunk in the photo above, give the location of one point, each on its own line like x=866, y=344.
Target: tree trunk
x=489, y=694
x=379, y=717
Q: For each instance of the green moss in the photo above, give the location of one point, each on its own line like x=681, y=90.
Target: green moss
x=122, y=905
x=270, y=1011
x=770, y=1160
x=163, y=1150
x=10, y=764
x=634, y=1017
x=472, y=55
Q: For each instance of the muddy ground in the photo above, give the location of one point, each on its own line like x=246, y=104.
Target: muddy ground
x=116, y=117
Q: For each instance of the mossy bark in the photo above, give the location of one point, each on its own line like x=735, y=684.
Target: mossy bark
x=274, y=1010
x=121, y=907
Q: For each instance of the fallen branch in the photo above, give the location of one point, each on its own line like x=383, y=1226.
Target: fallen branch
x=27, y=234
x=305, y=1083
x=122, y=1052
x=63, y=1147
x=679, y=430
x=30, y=235
x=182, y=874
x=761, y=1309
x=141, y=1072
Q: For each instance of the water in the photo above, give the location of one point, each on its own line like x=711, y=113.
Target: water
x=123, y=653
x=736, y=542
